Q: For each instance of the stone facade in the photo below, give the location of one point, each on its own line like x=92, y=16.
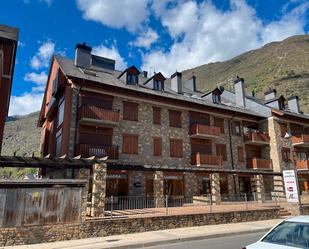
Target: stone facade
x=100, y=228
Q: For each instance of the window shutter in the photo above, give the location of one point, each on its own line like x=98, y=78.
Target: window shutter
x=156, y=115
x=129, y=144
x=175, y=118
x=130, y=111
x=176, y=148
x=157, y=146
x=219, y=122
x=241, y=157
x=221, y=151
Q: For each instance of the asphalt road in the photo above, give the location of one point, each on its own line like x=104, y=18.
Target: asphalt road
x=231, y=242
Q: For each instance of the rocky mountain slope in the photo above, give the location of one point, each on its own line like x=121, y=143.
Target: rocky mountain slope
x=283, y=65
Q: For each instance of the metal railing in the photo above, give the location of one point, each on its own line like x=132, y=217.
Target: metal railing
x=143, y=206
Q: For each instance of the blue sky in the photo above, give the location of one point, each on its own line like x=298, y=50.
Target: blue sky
x=154, y=35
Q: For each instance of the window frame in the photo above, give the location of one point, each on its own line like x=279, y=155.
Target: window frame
x=130, y=150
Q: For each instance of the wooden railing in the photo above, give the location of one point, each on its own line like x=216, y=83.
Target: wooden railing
x=201, y=129
x=302, y=164
x=259, y=163
x=204, y=159
x=94, y=112
x=303, y=138
x=257, y=137
x=87, y=150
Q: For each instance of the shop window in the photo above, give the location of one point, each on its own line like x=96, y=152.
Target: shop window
x=204, y=187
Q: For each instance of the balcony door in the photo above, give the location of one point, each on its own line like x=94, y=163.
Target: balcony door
x=202, y=146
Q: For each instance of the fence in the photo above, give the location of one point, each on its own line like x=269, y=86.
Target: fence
x=136, y=206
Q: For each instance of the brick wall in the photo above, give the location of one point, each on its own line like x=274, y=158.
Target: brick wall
x=99, y=228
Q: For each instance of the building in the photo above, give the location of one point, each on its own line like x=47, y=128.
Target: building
x=163, y=137
x=8, y=46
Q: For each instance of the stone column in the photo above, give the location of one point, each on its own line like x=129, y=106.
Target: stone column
x=98, y=189
x=83, y=173
x=215, y=188
x=190, y=184
x=260, y=188
x=158, y=188
x=279, y=188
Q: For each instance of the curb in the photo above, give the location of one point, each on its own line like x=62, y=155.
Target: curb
x=186, y=239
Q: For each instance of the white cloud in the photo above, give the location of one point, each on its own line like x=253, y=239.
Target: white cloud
x=111, y=53
x=39, y=79
x=129, y=14
x=202, y=33
x=146, y=39
x=26, y=103
x=42, y=57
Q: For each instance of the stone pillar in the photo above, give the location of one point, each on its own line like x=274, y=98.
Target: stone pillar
x=158, y=188
x=215, y=188
x=260, y=188
x=98, y=189
x=190, y=184
x=83, y=173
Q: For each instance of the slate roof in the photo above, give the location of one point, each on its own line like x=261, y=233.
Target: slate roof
x=110, y=77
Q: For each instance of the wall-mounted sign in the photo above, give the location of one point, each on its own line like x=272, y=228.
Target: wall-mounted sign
x=290, y=184
x=170, y=177
x=117, y=176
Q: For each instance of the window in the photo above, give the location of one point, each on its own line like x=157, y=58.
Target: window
x=157, y=146
x=281, y=105
x=204, y=187
x=221, y=151
x=240, y=151
x=58, y=143
x=175, y=118
x=157, y=85
x=219, y=122
x=129, y=144
x=286, y=154
x=176, y=149
x=132, y=79
x=156, y=115
x=55, y=83
x=130, y=111
x=237, y=128
x=60, y=112
x=216, y=99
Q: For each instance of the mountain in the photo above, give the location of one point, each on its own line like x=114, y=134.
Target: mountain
x=283, y=65
x=21, y=135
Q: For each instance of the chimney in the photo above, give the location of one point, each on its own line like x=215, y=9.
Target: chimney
x=145, y=74
x=176, y=82
x=270, y=94
x=82, y=55
x=239, y=86
x=293, y=104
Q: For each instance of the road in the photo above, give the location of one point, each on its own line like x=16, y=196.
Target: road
x=231, y=242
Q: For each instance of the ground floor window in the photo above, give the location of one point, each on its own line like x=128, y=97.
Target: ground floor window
x=173, y=185
x=224, y=185
x=204, y=186
x=117, y=184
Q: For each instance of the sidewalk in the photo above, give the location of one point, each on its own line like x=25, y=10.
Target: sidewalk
x=140, y=240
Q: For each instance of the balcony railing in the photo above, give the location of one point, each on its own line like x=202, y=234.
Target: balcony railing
x=201, y=130
x=257, y=138
x=88, y=150
x=199, y=159
x=98, y=113
x=259, y=163
x=302, y=164
x=299, y=140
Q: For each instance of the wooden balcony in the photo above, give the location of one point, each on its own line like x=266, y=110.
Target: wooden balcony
x=93, y=115
x=87, y=150
x=199, y=159
x=300, y=140
x=259, y=163
x=257, y=138
x=302, y=164
x=204, y=131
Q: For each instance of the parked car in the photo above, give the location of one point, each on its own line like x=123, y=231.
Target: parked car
x=290, y=233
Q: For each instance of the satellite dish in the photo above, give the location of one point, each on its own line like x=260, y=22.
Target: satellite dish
x=287, y=135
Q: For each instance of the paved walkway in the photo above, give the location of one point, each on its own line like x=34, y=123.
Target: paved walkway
x=139, y=240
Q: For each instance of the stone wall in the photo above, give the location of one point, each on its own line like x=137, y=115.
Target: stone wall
x=99, y=228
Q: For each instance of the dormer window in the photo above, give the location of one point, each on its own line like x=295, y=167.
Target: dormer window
x=158, y=85
x=132, y=79
x=281, y=105
x=216, y=98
